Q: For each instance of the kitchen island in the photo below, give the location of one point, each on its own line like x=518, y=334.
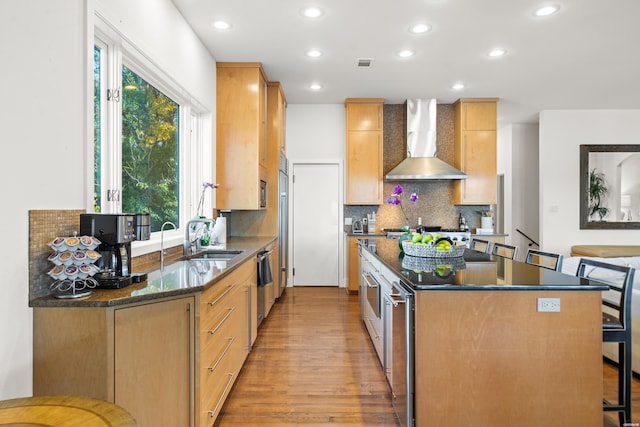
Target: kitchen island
x=484, y=350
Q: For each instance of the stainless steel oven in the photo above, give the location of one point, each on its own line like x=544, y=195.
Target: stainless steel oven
x=374, y=292
x=402, y=343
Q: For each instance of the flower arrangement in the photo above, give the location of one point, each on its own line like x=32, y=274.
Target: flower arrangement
x=205, y=185
x=394, y=199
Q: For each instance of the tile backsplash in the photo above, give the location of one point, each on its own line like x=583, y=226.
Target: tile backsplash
x=44, y=226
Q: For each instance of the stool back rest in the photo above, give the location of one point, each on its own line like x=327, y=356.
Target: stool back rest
x=544, y=259
x=504, y=250
x=620, y=281
x=480, y=245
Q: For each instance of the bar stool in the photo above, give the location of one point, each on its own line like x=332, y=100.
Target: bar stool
x=504, y=250
x=616, y=324
x=480, y=245
x=63, y=411
x=544, y=259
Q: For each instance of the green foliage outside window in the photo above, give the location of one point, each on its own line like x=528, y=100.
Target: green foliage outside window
x=150, y=151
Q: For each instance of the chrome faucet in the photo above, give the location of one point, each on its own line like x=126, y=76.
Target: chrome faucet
x=162, y=251
x=188, y=243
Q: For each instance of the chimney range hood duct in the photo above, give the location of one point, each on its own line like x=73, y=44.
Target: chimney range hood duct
x=421, y=162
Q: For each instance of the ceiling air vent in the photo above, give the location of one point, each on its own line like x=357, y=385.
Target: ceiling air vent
x=365, y=62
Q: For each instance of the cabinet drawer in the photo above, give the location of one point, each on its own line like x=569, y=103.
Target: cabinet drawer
x=216, y=384
x=225, y=326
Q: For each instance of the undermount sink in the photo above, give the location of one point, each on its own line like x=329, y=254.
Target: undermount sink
x=222, y=254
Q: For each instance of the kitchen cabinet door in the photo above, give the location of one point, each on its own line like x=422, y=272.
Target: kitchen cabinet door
x=480, y=164
x=476, y=151
x=364, y=151
x=364, y=114
x=154, y=359
x=241, y=143
x=479, y=116
x=276, y=117
x=364, y=168
x=353, y=267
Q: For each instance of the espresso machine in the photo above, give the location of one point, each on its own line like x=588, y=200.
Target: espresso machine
x=115, y=232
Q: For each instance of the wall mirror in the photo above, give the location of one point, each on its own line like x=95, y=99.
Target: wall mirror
x=609, y=186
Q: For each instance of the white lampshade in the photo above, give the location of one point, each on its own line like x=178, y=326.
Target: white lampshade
x=625, y=201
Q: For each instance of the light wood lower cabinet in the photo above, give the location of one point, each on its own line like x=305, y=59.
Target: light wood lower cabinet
x=140, y=357
x=353, y=266
x=225, y=333
x=169, y=362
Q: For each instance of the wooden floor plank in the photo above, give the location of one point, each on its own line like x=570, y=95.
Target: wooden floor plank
x=313, y=364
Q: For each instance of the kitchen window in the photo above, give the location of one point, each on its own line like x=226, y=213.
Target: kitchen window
x=148, y=145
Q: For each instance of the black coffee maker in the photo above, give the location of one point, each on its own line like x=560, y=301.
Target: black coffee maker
x=116, y=232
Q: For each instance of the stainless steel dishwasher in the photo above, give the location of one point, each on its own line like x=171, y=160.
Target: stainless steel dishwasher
x=402, y=342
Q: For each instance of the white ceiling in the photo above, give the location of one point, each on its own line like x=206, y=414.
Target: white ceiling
x=586, y=56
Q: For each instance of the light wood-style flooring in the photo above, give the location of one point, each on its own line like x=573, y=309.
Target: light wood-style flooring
x=313, y=364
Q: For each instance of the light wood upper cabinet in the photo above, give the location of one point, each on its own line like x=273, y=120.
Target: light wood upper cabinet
x=364, y=114
x=241, y=136
x=476, y=151
x=364, y=151
x=478, y=115
x=276, y=117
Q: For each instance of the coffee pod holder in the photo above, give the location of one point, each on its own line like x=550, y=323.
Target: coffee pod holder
x=73, y=270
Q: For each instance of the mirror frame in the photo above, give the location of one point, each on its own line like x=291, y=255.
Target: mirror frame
x=585, y=224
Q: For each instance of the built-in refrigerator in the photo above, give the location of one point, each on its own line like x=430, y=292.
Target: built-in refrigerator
x=283, y=226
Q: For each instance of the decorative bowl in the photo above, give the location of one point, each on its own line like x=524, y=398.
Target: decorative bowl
x=430, y=250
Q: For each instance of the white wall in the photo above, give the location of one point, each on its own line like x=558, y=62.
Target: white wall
x=317, y=133
x=45, y=124
x=561, y=134
x=518, y=162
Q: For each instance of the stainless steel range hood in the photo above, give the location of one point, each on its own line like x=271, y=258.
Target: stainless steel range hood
x=421, y=162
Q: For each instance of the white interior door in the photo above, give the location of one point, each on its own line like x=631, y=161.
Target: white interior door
x=315, y=224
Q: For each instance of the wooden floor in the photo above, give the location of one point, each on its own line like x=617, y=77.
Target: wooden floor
x=313, y=364
x=610, y=390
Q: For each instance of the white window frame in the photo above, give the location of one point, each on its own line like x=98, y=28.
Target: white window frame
x=195, y=130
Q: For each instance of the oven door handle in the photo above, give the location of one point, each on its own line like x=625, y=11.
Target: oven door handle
x=262, y=255
x=395, y=299
x=366, y=277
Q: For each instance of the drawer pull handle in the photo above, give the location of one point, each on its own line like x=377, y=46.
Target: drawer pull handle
x=215, y=410
x=214, y=302
x=224, y=319
x=215, y=365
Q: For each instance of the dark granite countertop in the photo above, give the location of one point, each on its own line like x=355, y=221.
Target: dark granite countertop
x=473, y=271
x=177, y=278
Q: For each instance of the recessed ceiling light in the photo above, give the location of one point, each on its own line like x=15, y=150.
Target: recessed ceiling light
x=313, y=53
x=221, y=25
x=546, y=10
x=457, y=86
x=406, y=53
x=497, y=52
x=419, y=28
x=315, y=86
x=312, y=12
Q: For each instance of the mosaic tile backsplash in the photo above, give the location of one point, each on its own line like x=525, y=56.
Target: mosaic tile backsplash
x=44, y=226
